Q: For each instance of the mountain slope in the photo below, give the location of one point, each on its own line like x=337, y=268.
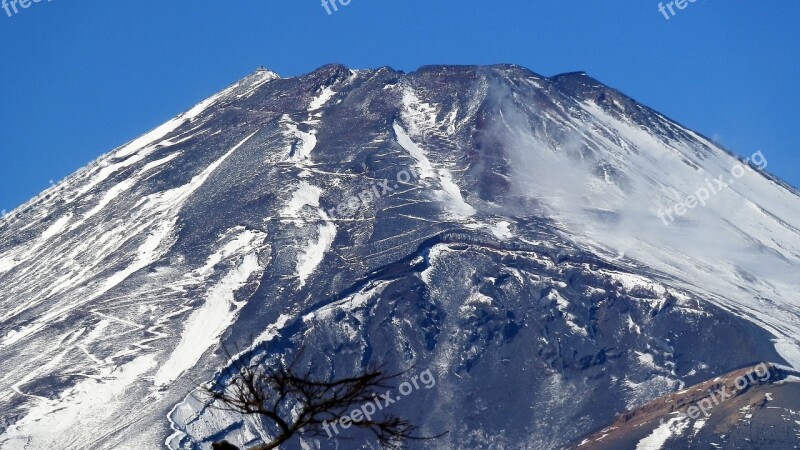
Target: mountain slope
x=494, y=225
x=748, y=408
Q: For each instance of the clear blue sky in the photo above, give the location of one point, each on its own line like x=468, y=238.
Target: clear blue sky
x=82, y=77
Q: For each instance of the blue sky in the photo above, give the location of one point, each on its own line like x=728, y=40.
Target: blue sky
x=80, y=78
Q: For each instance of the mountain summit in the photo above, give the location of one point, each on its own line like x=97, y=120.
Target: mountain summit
x=530, y=240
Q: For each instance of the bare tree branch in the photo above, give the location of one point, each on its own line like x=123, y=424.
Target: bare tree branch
x=295, y=403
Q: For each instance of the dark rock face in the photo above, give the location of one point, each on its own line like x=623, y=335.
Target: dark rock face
x=487, y=224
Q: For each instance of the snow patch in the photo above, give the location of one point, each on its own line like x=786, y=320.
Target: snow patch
x=314, y=252
x=660, y=436
x=205, y=325
x=424, y=167
x=305, y=195
x=501, y=230
x=450, y=194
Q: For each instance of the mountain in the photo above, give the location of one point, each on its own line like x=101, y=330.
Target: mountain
x=517, y=235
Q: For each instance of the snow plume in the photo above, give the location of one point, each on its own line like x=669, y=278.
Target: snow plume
x=565, y=179
x=575, y=177
x=602, y=180
x=555, y=174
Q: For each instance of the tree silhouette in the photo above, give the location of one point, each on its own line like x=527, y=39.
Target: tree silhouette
x=296, y=403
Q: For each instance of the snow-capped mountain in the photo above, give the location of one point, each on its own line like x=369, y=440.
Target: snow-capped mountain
x=503, y=229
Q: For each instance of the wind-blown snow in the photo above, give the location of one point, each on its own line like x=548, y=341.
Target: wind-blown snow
x=730, y=251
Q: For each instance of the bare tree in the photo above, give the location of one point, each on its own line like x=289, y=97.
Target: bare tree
x=296, y=403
